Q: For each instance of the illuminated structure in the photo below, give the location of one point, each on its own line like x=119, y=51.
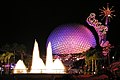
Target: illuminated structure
x=71, y=38
x=107, y=13
x=102, y=29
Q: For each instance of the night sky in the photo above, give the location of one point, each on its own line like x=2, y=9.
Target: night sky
x=25, y=21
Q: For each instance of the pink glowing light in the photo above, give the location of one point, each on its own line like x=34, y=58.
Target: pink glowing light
x=71, y=38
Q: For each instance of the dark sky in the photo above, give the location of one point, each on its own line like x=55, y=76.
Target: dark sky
x=22, y=21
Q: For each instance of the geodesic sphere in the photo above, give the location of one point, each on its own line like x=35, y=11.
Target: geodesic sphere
x=71, y=39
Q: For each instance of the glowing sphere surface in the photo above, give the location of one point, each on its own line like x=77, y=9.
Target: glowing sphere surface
x=71, y=39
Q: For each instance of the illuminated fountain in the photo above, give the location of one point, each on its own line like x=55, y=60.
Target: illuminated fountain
x=53, y=67
x=20, y=67
x=38, y=65
x=58, y=66
x=49, y=60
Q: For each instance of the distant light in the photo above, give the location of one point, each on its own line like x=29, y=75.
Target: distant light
x=103, y=67
x=113, y=57
x=108, y=15
x=77, y=59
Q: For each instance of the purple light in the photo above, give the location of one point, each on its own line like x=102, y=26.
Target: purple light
x=71, y=38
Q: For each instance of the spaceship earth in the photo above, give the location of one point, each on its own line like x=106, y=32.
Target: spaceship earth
x=71, y=39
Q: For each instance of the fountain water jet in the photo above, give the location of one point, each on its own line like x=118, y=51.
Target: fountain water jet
x=20, y=67
x=37, y=63
x=58, y=66
x=49, y=59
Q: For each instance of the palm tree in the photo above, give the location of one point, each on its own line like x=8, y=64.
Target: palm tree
x=12, y=50
x=92, y=55
x=2, y=57
x=5, y=48
x=28, y=60
x=14, y=47
x=22, y=51
x=5, y=58
x=8, y=55
x=19, y=50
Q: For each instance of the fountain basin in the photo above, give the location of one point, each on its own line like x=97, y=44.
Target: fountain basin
x=41, y=76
